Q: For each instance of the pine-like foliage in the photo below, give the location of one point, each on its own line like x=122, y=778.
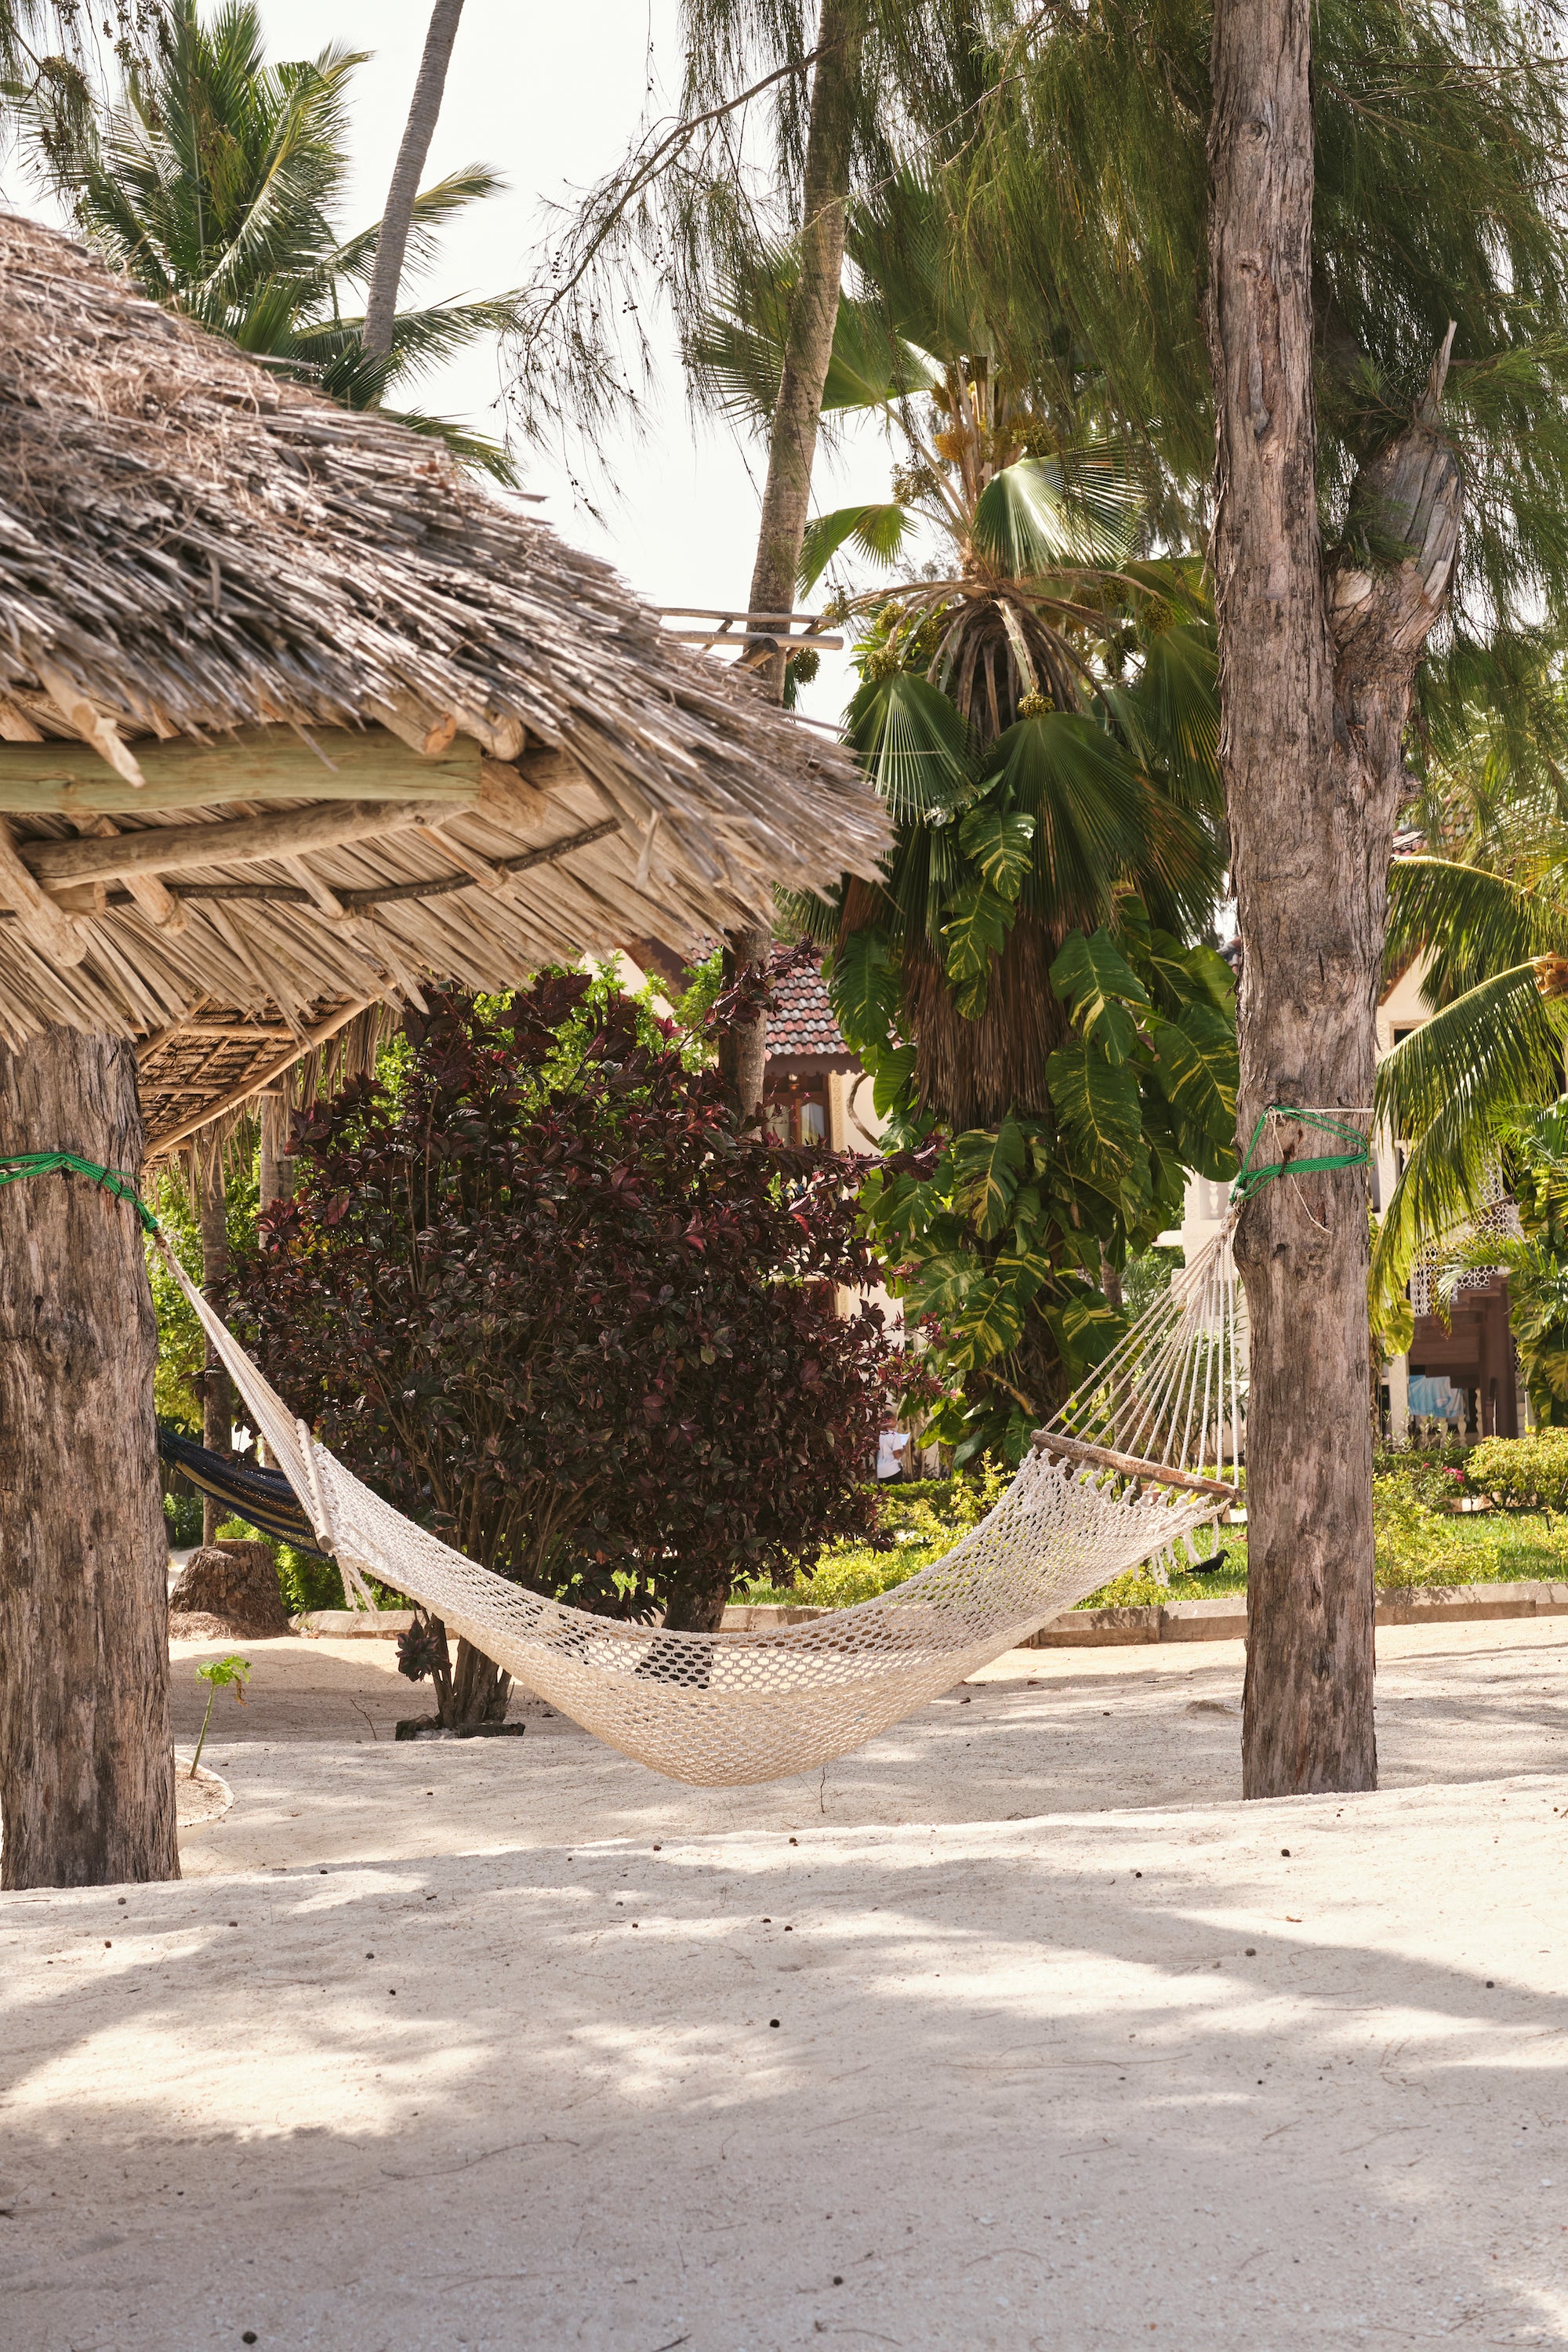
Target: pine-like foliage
x=216, y=179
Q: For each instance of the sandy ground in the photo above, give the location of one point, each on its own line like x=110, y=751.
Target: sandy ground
x=474, y=2044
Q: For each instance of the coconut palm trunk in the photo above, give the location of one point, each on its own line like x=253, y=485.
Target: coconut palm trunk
x=792, y=445
x=1318, y=653
x=813, y=314
x=423, y=114
x=87, y=1779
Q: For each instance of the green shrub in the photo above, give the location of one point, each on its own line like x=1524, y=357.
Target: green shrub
x=1415, y=1545
x=182, y=1517
x=1523, y=1473
x=1435, y=1474
x=305, y=1581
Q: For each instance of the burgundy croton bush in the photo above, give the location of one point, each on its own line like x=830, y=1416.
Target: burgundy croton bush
x=538, y=1289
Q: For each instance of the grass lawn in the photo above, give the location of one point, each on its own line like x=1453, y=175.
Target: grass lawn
x=1508, y=1546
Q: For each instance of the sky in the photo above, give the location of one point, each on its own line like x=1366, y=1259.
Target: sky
x=550, y=98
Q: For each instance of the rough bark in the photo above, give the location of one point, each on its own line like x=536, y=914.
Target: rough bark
x=217, y=1390
x=1317, y=662
x=276, y=1167
x=391, y=245
x=742, y=1044
x=87, y=1783
x=475, y=1690
x=696, y=1603
x=814, y=315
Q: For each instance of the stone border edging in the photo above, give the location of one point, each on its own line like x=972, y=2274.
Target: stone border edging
x=1223, y=1618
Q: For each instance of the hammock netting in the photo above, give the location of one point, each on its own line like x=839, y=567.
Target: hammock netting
x=264, y=1498
x=1132, y=1464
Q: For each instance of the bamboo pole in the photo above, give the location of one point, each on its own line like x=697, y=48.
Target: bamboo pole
x=297, y=1052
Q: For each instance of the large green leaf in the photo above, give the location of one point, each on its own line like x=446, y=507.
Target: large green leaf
x=1095, y=979
x=1042, y=512
x=945, y=1282
x=894, y=1072
x=1091, y=806
x=1001, y=842
x=863, y=989
x=1086, y=1326
x=1020, y=1271
x=878, y=529
x=988, y=1169
x=990, y=1324
x=1197, y=1075
x=912, y=743
x=977, y=925
x=1098, y=1107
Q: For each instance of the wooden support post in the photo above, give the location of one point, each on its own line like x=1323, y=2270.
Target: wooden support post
x=87, y=1783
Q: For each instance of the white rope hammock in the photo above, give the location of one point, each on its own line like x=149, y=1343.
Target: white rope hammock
x=1134, y=1463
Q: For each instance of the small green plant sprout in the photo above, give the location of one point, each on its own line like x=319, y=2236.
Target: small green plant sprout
x=218, y=1673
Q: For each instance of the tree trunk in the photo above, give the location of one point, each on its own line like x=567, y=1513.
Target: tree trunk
x=217, y=1394
x=392, y=243
x=276, y=1167
x=1317, y=662
x=743, y=1043
x=814, y=315
x=696, y=1603
x=481, y=1690
x=86, y=1778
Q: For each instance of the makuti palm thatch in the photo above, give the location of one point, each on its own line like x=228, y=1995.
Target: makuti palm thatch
x=292, y=714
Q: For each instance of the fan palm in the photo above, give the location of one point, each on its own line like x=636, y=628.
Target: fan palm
x=1036, y=707
x=216, y=180
x=1037, y=704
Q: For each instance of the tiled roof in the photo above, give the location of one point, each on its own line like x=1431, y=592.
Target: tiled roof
x=804, y=1022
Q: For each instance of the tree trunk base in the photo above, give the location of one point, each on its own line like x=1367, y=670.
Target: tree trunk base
x=86, y=1767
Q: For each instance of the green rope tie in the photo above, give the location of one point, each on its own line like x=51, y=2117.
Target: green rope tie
x=17, y=1165
x=1252, y=1180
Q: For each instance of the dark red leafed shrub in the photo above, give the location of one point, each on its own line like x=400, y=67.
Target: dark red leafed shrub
x=538, y=1290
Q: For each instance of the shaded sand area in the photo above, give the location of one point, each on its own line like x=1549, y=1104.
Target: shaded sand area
x=474, y=2044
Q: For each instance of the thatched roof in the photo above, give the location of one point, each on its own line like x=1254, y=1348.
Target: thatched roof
x=292, y=714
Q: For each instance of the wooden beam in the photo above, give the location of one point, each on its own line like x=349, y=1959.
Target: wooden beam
x=718, y=612
x=266, y=763
x=1130, y=1465
x=56, y=934
x=720, y=637
x=172, y=848
x=296, y=1051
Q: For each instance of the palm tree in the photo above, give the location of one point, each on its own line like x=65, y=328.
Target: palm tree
x=216, y=180
x=1042, y=675
x=380, y=313
x=1036, y=706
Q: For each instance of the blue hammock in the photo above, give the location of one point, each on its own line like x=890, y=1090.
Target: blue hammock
x=264, y=1498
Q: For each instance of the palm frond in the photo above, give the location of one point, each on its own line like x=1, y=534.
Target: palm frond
x=1468, y=922
x=1046, y=511
x=878, y=529
x=1091, y=809
x=1448, y=1092
x=912, y=744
